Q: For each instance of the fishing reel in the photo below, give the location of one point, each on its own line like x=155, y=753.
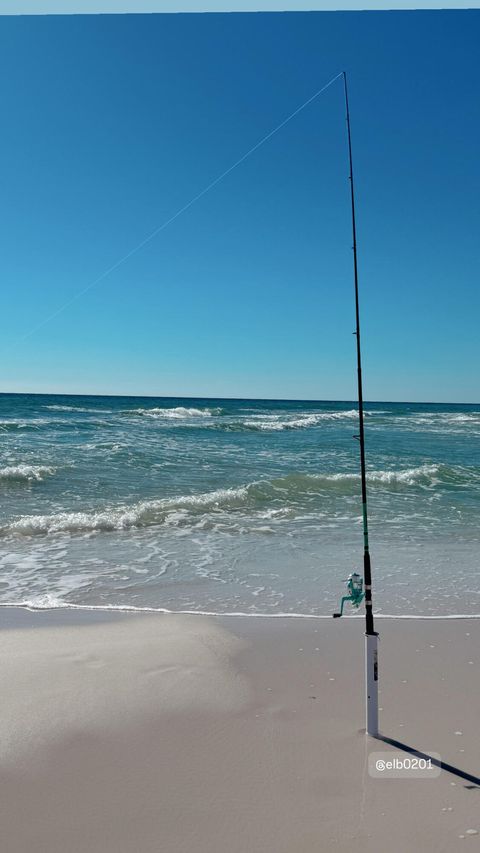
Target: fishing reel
x=355, y=592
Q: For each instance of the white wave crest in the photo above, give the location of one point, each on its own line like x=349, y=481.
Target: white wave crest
x=121, y=518
x=408, y=477
x=466, y=417
x=58, y=408
x=25, y=472
x=438, y=422
x=301, y=421
x=31, y=423
x=63, y=408
x=179, y=511
x=177, y=413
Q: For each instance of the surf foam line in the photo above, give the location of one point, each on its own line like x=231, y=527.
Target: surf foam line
x=300, y=421
x=25, y=472
x=126, y=608
x=176, y=413
x=290, y=490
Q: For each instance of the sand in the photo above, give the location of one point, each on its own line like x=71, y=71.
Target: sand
x=122, y=732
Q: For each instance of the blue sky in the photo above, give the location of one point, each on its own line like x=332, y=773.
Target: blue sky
x=113, y=123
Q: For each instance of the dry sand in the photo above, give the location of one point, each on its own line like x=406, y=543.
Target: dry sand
x=232, y=735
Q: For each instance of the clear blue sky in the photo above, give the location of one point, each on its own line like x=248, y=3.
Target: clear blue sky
x=110, y=124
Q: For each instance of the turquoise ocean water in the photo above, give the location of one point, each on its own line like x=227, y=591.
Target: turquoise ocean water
x=232, y=506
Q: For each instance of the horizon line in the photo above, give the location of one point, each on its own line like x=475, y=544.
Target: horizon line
x=239, y=398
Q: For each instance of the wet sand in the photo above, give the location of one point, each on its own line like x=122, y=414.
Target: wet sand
x=124, y=732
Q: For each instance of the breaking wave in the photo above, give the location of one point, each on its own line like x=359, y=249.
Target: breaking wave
x=302, y=421
x=177, y=413
x=216, y=418
x=25, y=473
x=288, y=494
x=141, y=514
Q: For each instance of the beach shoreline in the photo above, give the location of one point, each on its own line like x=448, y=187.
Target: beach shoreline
x=148, y=732
x=250, y=506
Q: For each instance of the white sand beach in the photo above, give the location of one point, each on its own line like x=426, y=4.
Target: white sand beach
x=124, y=733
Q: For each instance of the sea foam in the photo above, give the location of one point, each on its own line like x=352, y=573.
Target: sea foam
x=302, y=420
x=289, y=492
x=25, y=473
x=176, y=413
x=52, y=602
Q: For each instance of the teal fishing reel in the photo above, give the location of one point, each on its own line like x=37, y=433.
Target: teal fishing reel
x=355, y=593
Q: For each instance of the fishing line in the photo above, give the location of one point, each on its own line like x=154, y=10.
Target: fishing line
x=179, y=212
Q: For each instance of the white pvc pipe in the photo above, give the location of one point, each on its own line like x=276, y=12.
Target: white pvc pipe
x=371, y=683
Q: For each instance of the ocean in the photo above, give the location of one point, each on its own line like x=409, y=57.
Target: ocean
x=236, y=506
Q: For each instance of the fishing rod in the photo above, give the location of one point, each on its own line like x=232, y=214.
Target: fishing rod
x=354, y=581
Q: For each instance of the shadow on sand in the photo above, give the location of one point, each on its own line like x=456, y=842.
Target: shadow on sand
x=467, y=777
